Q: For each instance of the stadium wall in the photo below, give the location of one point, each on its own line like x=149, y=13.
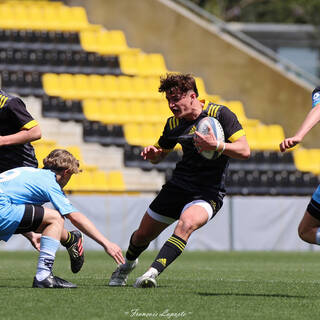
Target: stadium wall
x=244, y=223
x=228, y=67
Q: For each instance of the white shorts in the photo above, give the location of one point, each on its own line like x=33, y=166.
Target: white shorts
x=168, y=220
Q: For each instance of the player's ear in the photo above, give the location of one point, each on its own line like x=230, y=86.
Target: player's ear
x=193, y=95
x=65, y=172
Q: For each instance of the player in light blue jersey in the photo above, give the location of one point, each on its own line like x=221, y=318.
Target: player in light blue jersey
x=23, y=191
x=309, y=228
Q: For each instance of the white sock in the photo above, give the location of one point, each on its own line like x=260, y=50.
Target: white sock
x=48, y=249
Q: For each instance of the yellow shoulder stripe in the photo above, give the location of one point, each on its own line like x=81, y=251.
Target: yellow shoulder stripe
x=30, y=124
x=237, y=135
x=173, y=122
x=3, y=100
x=212, y=112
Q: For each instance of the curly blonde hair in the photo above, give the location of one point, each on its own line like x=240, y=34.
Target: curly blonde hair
x=61, y=159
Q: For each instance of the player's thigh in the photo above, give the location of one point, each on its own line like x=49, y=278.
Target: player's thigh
x=308, y=222
x=311, y=218
x=31, y=220
x=50, y=217
x=194, y=216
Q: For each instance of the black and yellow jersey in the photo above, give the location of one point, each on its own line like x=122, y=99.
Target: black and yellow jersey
x=193, y=172
x=14, y=117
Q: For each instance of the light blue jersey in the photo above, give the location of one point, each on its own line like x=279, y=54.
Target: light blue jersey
x=315, y=97
x=27, y=185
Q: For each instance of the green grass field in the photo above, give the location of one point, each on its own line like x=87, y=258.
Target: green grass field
x=199, y=285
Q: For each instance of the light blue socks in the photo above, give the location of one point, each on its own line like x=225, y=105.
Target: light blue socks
x=48, y=249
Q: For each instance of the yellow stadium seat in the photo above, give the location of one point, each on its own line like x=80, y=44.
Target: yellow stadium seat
x=110, y=84
x=96, y=85
x=51, y=84
x=132, y=133
x=21, y=17
x=125, y=87
x=7, y=16
x=237, y=107
x=148, y=134
x=108, y=114
x=81, y=89
x=67, y=86
x=142, y=64
x=100, y=180
x=81, y=182
x=264, y=137
x=89, y=41
x=115, y=181
x=92, y=109
x=36, y=17
x=136, y=109
x=307, y=160
x=201, y=87
x=42, y=148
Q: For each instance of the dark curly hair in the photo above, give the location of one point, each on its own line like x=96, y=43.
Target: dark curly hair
x=177, y=84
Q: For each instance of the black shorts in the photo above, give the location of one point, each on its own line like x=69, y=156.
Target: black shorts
x=31, y=220
x=171, y=200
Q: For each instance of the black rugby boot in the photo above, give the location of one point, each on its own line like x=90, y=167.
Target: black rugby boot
x=52, y=282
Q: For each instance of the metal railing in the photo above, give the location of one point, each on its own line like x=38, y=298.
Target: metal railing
x=223, y=27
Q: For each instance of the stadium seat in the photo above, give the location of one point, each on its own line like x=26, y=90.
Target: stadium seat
x=115, y=181
x=143, y=64
x=111, y=42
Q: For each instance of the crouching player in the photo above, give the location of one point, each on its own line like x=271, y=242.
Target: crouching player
x=23, y=191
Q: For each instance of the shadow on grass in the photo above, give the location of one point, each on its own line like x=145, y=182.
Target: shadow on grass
x=264, y=295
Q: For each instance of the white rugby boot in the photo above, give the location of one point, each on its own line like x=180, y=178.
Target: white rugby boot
x=120, y=276
x=147, y=280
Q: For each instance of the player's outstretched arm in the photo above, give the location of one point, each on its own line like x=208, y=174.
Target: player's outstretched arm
x=310, y=121
x=80, y=221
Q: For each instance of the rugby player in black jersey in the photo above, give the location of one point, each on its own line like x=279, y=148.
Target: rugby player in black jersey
x=195, y=192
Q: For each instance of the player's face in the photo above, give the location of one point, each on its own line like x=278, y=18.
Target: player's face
x=182, y=105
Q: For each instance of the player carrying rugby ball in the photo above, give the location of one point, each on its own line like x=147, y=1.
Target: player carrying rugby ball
x=195, y=192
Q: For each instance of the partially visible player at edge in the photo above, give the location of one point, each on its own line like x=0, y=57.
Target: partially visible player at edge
x=195, y=192
x=23, y=190
x=309, y=227
x=17, y=129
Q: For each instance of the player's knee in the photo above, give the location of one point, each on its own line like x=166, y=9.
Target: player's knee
x=185, y=227
x=53, y=217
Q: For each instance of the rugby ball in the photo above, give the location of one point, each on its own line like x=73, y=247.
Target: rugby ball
x=203, y=128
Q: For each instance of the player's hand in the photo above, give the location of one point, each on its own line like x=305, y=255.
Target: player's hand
x=289, y=143
x=114, y=251
x=34, y=239
x=151, y=153
x=205, y=142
